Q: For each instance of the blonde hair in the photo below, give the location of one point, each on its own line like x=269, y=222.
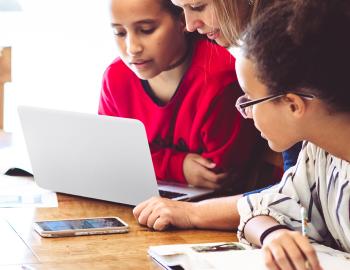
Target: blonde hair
x=234, y=15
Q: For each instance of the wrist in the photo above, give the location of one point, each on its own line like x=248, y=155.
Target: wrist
x=271, y=230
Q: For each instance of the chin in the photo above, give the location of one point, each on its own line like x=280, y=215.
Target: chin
x=279, y=148
x=143, y=76
x=222, y=42
x=276, y=148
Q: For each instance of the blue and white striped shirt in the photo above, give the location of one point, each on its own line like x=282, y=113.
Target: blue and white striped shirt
x=320, y=183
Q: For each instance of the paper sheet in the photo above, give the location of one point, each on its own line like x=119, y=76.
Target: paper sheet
x=24, y=192
x=185, y=256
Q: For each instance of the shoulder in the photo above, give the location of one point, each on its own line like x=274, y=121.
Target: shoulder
x=118, y=71
x=118, y=80
x=212, y=57
x=117, y=75
x=118, y=67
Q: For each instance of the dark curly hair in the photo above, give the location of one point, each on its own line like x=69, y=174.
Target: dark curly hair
x=303, y=45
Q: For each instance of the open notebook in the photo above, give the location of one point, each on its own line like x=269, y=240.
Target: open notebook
x=231, y=255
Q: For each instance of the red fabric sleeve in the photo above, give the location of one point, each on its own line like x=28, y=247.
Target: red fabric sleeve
x=168, y=164
x=107, y=106
x=228, y=138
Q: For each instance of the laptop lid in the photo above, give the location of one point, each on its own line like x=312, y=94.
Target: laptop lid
x=94, y=156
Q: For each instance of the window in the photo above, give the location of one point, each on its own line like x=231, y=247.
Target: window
x=60, y=49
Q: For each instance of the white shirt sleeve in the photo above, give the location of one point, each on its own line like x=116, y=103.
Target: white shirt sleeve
x=305, y=185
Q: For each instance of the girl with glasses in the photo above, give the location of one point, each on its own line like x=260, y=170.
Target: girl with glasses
x=180, y=87
x=302, y=83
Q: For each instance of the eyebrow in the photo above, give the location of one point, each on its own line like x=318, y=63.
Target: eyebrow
x=147, y=21
x=194, y=3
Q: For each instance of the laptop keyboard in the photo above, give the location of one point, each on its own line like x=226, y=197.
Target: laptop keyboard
x=170, y=194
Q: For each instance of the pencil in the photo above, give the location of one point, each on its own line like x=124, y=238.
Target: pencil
x=304, y=230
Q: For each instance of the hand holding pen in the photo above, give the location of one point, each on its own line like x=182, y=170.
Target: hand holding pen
x=287, y=249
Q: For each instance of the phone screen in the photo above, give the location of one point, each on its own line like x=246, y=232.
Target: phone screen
x=93, y=223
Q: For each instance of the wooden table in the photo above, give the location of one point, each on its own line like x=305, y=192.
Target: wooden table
x=21, y=246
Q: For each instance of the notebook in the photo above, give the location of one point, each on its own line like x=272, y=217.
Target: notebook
x=94, y=156
x=231, y=255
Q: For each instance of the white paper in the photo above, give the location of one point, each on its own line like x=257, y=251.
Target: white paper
x=185, y=256
x=24, y=192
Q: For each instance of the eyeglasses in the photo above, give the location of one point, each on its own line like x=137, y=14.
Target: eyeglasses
x=244, y=104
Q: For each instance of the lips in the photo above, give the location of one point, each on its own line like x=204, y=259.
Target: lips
x=213, y=34
x=139, y=64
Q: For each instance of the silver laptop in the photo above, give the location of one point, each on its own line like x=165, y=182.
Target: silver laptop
x=94, y=156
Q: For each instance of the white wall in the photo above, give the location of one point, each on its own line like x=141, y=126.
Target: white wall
x=60, y=50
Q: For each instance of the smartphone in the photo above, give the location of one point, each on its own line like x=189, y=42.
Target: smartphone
x=81, y=226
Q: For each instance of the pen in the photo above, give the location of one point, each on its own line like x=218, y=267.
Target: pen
x=304, y=221
x=304, y=230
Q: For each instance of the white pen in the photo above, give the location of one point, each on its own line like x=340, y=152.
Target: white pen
x=304, y=221
x=304, y=230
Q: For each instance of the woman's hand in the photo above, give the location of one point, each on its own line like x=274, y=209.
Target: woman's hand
x=159, y=213
x=198, y=172
x=289, y=250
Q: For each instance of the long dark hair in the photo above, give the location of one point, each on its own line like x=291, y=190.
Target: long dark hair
x=303, y=45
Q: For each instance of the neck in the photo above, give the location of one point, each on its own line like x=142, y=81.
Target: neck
x=332, y=134
x=165, y=84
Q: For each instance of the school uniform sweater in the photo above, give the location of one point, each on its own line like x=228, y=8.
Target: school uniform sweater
x=320, y=183
x=200, y=117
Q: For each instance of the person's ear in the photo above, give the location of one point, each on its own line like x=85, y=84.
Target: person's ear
x=296, y=104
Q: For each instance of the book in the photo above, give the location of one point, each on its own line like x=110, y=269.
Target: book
x=229, y=255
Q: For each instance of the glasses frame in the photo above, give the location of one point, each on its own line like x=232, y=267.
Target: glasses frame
x=242, y=106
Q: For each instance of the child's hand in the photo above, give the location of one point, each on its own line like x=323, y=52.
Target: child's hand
x=198, y=172
x=158, y=213
x=284, y=249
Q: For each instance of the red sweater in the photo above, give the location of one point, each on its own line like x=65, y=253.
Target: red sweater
x=200, y=118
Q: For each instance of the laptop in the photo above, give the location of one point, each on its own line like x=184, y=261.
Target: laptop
x=95, y=156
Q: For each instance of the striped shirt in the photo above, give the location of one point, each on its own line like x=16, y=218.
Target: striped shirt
x=320, y=183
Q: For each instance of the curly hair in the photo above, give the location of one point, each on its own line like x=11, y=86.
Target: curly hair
x=303, y=45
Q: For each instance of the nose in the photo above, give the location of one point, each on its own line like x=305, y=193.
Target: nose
x=133, y=45
x=193, y=23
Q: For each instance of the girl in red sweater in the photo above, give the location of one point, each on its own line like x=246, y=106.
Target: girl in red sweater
x=183, y=89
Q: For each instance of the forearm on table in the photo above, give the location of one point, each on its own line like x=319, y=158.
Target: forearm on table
x=217, y=213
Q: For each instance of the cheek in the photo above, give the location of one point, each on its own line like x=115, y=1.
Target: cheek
x=121, y=48
x=169, y=46
x=267, y=122
x=259, y=118
x=210, y=17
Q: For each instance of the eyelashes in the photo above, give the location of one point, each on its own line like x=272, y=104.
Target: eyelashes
x=198, y=8
x=142, y=31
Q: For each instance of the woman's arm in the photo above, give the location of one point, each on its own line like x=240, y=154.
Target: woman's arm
x=159, y=213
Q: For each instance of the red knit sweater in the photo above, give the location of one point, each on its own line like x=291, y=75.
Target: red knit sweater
x=200, y=118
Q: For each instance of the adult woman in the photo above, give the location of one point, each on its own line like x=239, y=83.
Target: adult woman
x=222, y=21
